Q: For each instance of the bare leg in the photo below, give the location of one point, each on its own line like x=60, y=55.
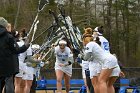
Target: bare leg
x=17, y=84
x=94, y=81
x=104, y=76
x=67, y=82
x=59, y=76
x=110, y=83
x=22, y=85
x=3, y=90
x=28, y=84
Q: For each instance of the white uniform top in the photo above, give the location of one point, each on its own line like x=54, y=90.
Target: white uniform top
x=29, y=51
x=63, y=57
x=98, y=53
x=25, y=72
x=23, y=55
x=104, y=44
x=94, y=65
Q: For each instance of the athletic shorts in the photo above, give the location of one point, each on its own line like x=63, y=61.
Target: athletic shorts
x=85, y=66
x=94, y=68
x=28, y=75
x=67, y=70
x=116, y=71
x=22, y=69
x=99, y=68
x=110, y=62
x=25, y=72
x=83, y=73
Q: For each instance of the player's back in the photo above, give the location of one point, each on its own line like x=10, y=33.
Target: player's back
x=104, y=44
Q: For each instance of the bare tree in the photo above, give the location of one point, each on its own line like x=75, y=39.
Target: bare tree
x=109, y=20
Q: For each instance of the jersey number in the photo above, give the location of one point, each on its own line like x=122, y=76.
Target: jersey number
x=106, y=45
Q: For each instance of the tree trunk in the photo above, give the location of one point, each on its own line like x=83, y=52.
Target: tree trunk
x=124, y=30
x=87, y=13
x=127, y=32
x=95, y=10
x=71, y=8
x=103, y=12
x=117, y=48
x=109, y=21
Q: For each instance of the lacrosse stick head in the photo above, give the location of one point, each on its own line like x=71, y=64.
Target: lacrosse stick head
x=35, y=47
x=42, y=4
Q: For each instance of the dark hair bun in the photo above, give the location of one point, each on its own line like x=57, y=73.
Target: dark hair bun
x=23, y=31
x=100, y=29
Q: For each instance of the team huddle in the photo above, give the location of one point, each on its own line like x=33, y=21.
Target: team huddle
x=98, y=64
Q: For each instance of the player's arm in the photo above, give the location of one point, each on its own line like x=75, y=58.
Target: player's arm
x=13, y=46
x=70, y=59
x=88, y=53
x=87, y=56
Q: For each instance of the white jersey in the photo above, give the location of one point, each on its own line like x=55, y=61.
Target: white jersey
x=23, y=55
x=104, y=44
x=62, y=57
x=24, y=72
x=98, y=53
x=29, y=51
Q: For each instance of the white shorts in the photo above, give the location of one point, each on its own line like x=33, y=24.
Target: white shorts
x=94, y=68
x=83, y=73
x=116, y=71
x=28, y=75
x=85, y=66
x=22, y=69
x=99, y=68
x=67, y=70
x=110, y=62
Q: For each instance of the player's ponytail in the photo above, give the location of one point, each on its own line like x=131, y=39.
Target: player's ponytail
x=87, y=38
